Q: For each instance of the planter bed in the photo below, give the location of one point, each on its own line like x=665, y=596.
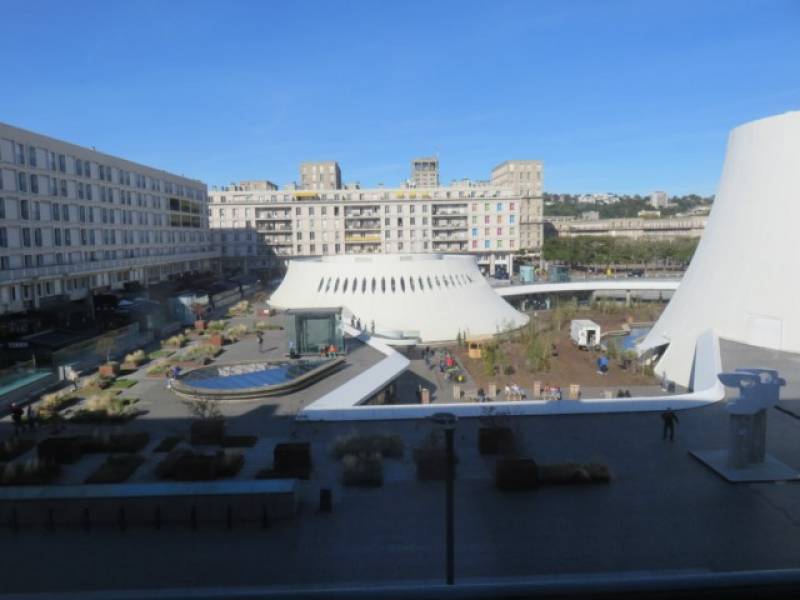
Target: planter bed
x=14, y=447
x=363, y=470
x=185, y=465
x=29, y=473
x=167, y=444
x=116, y=469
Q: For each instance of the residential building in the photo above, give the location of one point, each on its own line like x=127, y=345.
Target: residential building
x=74, y=221
x=659, y=200
x=425, y=172
x=634, y=228
x=492, y=222
x=324, y=175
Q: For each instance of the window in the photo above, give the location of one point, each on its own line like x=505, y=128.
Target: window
x=79, y=166
x=499, y=207
x=486, y=219
x=22, y=181
x=62, y=163
x=37, y=236
x=24, y=210
x=474, y=232
x=32, y=156
x=2, y=208
x=26, y=237
x=3, y=238
x=20, y=154
x=499, y=231
x=487, y=244
x=512, y=219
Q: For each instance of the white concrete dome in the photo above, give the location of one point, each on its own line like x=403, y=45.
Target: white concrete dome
x=432, y=297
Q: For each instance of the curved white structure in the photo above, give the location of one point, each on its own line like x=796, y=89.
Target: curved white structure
x=431, y=297
x=590, y=285
x=743, y=281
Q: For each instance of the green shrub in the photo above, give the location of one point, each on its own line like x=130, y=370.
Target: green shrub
x=135, y=358
x=239, y=309
x=167, y=444
x=199, y=352
x=14, y=447
x=388, y=446
x=159, y=369
x=124, y=383
x=266, y=326
x=216, y=325
x=161, y=353
x=176, y=341
x=104, y=407
x=29, y=472
x=235, y=333
x=116, y=469
x=363, y=469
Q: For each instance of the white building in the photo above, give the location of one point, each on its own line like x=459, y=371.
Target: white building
x=742, y=283
x=428, y=298
x=659, y=200
x=489, y=221
x=74, y=221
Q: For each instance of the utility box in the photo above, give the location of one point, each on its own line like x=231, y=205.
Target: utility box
x=584, y=333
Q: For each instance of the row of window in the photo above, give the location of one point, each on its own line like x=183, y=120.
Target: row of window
x=84, y=168
x=28, y=261
x=27, y=237
x=394, y=284
x=374, y=211
x=365, y=196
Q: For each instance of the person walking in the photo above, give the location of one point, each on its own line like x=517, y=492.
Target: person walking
x=670, y=419
x=260, y=337
x=30, y=417
x=16, y=416
x=168, y=375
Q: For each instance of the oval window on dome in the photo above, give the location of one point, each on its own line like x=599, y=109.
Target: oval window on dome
x=344, y=286
x=336, y=286
x=392, y=284
x=363, y=285
x=373, y=285
x=355, y=284
x=383, y=285
x=402, y=285
x=321, y=283
x=436, y=279
x=328, y=285
x=421, y=285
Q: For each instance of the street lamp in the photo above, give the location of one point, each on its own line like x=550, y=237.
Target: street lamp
x=447, y=421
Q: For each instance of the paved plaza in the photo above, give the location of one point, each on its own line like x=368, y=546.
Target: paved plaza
x=663, y=511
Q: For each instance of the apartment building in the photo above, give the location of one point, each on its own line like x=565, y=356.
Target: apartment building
x=659, y=200
x=324, y=175
x=666, y=228
x=492, y=222
x=425, y=172
x=74, y=221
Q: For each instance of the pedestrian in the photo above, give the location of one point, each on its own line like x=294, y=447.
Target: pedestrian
x=168, y=374
x=292, y=353
x=260, y=337
x=30, y=417
x=352, y=321
x=73, y=377
x=669, y=418
x=177, y=372
x=16, y=415
x=372, y=327
x=358, y=324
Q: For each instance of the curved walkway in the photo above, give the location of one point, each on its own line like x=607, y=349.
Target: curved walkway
x=590, y=285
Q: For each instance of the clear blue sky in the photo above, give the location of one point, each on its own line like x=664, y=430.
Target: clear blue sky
x=625, y=96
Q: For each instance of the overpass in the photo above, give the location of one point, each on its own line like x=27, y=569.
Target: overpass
x=590, y=285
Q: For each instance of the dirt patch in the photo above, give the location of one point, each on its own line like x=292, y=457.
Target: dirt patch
x=571, y=365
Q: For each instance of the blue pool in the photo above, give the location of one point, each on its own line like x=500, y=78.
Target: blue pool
x=636, y=334
x=247, y=376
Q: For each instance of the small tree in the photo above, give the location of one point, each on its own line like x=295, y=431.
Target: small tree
x=612, y=348
x=203, y=409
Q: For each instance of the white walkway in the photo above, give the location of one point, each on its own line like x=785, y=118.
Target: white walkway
x=590, y=285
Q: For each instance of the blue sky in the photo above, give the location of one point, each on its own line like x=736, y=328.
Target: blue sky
x=625, y=96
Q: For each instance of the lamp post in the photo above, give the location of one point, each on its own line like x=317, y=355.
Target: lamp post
x=447, y=421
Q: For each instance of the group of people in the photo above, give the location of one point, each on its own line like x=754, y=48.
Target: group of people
x=329, y=351
x=354, y=322
x=172, y=374
x=17, y=415
x=514, y=392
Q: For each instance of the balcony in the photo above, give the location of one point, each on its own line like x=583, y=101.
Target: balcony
x=456, y=210
x=358, y=213
x=82, y=268
x=271, y=227
x=446, y=237
x=369, y=224
x=450, y=223
x=450, y=246
x=362, y=239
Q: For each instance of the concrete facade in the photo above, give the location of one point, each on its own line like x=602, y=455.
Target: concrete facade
x=325, y=175
x=73, y=220
x=489, y=221
x=425, y=172
x=633, y=228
